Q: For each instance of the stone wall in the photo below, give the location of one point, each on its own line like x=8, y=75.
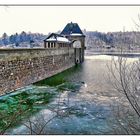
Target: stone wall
x=82, y=50
x=21, y=67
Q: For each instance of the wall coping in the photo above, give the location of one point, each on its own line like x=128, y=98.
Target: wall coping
x=30, y=49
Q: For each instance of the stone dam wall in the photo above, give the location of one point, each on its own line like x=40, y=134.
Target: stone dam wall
x=22, y=67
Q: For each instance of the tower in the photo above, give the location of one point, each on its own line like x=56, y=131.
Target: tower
x=73, y=32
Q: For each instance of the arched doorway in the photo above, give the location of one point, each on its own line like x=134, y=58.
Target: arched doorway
x=77, y=48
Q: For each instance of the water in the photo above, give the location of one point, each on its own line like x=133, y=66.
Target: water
x=80, y=100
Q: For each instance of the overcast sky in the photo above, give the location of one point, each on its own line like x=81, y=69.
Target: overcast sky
x=44, y=19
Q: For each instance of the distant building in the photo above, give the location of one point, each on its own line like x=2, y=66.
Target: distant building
x=56, y=40
x=71, y=36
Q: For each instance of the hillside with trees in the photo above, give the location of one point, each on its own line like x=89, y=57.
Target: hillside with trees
x=112, y=40
x=94, y=40
x=23, y=39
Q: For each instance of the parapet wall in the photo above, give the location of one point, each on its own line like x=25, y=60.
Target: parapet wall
x=21, y=67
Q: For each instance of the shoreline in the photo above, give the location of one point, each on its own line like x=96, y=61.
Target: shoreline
x=124, y=54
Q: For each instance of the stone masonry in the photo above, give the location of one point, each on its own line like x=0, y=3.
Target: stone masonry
x=22, y=67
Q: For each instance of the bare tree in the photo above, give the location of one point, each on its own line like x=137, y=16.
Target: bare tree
x=62, y=107
x=125, y=78
x=16, y=116
x=36, y=125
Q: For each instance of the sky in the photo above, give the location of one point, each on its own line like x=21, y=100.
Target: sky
x=45, y=19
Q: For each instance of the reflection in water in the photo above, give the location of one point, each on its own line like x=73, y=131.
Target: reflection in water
x=84, y=98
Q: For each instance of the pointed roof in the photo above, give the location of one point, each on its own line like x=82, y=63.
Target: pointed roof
x=53, y=37
x=72, y=29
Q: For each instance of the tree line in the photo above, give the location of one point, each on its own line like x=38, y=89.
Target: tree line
x=17, y=39
x=113, y=39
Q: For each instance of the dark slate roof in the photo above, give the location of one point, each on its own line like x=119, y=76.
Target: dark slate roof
x=71, y=28
x=53, y=37
x=53, y=34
